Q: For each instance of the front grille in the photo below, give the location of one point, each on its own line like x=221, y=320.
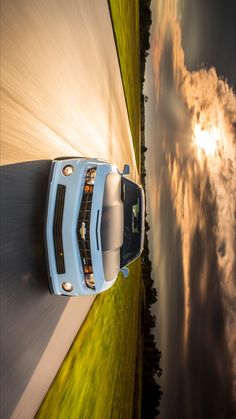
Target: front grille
x=84, y=223
x=57, y=229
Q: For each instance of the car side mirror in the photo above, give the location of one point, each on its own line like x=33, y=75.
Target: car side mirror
x=125, y=271
x=126, y=170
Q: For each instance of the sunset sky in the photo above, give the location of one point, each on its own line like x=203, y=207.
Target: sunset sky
x=191, y=196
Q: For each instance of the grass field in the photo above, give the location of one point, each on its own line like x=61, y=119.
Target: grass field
x=97, y=378
x=125, y=18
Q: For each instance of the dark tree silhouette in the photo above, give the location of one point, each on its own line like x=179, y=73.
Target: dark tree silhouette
x=151, y=393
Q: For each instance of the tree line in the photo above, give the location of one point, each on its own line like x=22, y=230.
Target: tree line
x=151, y=390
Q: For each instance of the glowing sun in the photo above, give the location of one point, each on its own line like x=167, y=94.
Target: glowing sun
x=206, y=139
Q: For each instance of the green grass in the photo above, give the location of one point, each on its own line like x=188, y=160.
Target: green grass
x=97, y=378
x=125, y=19
x=139, y=355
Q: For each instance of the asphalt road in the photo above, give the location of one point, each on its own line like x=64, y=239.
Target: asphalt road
x=61, y=94
x=28, y=313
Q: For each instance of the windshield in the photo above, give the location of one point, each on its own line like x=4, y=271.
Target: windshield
x=132, y=200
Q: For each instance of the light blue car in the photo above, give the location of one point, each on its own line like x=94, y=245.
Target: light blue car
x=94, y=225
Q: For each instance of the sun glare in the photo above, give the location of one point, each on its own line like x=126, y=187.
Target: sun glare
x=206, y=139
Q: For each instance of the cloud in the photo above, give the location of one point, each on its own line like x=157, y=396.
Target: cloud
x=213, y=103
x=209, y=369
x=203, y=200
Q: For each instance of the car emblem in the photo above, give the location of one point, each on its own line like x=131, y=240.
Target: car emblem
x=82, y=230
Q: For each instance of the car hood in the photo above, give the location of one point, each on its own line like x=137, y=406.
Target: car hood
x=112, y=226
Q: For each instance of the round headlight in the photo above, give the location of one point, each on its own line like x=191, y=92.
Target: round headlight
x=67, y=286
x=68, y=170
x=90, y=176
x=89, y=281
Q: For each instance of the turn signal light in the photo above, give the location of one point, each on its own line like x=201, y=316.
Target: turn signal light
x=88, y=188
